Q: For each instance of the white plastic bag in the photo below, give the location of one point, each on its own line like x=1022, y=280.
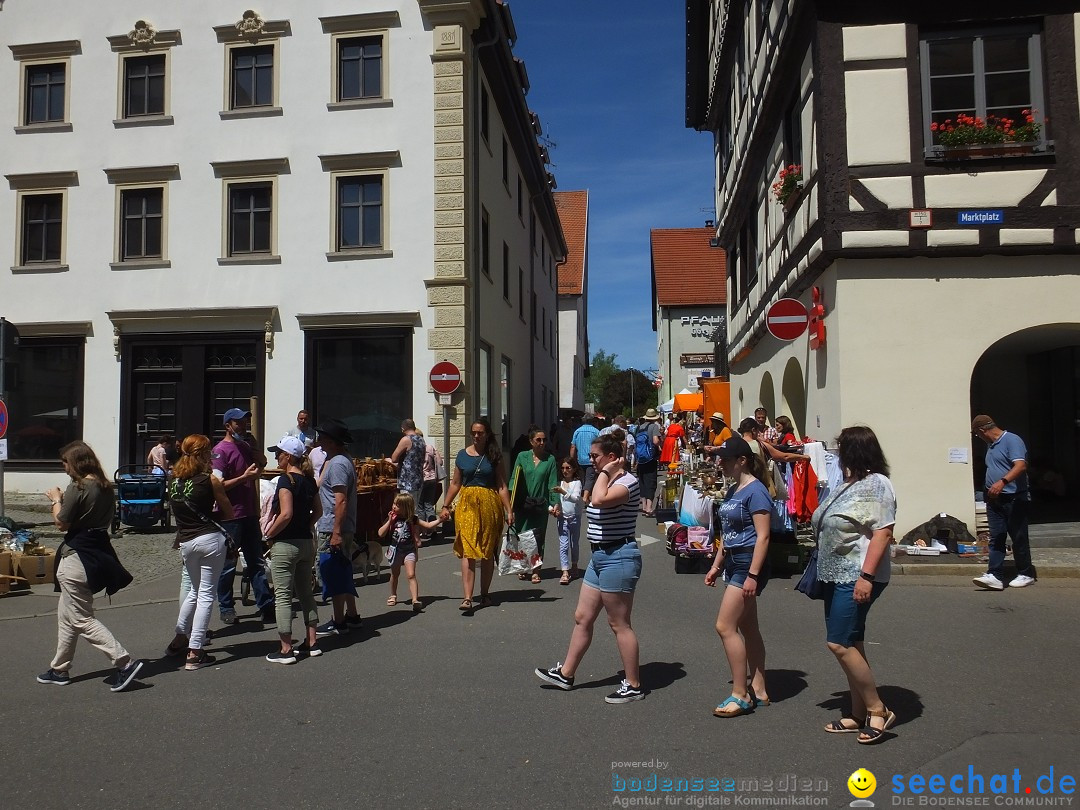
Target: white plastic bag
x=518, y=553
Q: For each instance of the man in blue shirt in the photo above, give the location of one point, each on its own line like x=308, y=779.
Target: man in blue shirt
x=1008, y=501
x=583, y=438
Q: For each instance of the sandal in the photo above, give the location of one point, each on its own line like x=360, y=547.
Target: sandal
x=523, y=576
x=565, y=578
x=838, y=727
x=466, y=604
x=741, y=707
x=536, y=579
x=759, y=702
x=391, y=600
x=875, y=735
x=486, y=601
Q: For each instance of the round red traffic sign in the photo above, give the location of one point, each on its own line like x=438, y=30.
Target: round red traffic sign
x=787, y=319
x=445, y=377
x=3, y=419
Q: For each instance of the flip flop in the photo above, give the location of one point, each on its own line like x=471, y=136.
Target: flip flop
x=742, y=707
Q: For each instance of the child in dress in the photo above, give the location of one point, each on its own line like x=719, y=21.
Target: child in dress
x=403, y=527
x=569, y=521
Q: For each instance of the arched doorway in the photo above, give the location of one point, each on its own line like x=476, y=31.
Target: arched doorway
x=767, y=395
x=1029, y=382
x=794, y=395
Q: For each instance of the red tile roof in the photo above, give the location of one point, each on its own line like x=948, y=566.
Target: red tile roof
x=574, y=215
x=685, y=270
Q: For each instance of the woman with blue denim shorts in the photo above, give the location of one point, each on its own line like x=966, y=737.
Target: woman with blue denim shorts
x=745, y=518
x=613, y=572
x=854, y=529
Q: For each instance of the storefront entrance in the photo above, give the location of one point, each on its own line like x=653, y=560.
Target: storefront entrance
x=1030, y=383
x=184, y=384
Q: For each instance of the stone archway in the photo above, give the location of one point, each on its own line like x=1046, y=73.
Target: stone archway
x=793, y=392
x=1029, y=382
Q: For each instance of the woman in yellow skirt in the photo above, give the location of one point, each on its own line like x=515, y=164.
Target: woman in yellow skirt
x=481, y=513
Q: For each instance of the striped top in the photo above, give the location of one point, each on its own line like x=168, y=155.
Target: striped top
x=616, y=522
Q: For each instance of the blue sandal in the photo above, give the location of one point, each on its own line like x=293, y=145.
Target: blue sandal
x=742, y=707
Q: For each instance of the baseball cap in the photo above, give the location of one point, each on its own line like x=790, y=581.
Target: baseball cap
x=288, y=444
x=981, y=422
x=733, y=448
x=235, y=414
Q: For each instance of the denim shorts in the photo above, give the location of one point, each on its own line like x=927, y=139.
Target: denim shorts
x=845, y=619
x=614, y=571
x=736, y=566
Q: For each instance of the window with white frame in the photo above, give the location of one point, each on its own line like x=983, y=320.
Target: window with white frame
x=142, y=217
x=993, y=75
x=252, y=65
x=251, y=218
x=251, y=77
x=46, y=89
x=143, y=90
x=359, y=212
x=144, y=85
x=42, y=229
x=359, y=45
x=359, y=68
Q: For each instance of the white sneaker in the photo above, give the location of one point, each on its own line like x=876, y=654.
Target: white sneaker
x=1021, y=581
x=990, y=582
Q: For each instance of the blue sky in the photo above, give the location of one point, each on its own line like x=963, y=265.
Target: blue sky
x=608, y=81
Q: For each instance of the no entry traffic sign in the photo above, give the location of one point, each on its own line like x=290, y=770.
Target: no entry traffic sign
x=787, y=319
x=445, y=377
x=3, y=419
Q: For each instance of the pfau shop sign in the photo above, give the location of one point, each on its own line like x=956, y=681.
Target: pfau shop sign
x=702, y=325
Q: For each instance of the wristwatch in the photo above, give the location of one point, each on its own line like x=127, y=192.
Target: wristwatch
x=866, y=576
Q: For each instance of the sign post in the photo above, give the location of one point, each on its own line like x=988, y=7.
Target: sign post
x=445, y=379
x=787, y=319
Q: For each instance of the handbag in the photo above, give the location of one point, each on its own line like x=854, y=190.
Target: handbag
x=535, y=506
x=389, y=553
x=809, y=583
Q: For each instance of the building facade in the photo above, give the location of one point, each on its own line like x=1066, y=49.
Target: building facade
x=573, y=300
x=688, y=313
x=945, y=273
x=294, y=206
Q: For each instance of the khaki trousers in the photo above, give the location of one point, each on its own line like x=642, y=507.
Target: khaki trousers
x=75, y=617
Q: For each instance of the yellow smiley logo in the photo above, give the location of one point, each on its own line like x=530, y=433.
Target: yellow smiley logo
x=862, y=783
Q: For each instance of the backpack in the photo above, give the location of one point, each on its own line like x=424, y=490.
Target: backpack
x=643, y=445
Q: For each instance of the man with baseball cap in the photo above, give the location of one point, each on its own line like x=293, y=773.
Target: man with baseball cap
x=237, y=463
x=1008, y=501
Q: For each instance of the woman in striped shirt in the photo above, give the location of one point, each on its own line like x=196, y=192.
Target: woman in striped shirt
x=613, y=572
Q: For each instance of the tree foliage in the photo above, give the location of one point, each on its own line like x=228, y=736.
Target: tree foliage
x=601, y=369
x=617, y=397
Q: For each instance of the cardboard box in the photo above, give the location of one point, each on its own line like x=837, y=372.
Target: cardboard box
x=5, y=563
x=36, y=569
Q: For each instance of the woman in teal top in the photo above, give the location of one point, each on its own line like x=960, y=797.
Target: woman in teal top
x=539, y=477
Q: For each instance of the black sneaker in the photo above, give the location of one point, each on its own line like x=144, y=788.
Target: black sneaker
x=125, y=676
x=303, y=649
x=625, y=693
x=54, y=678
x=555, y=677
x=331, y=629
x=354, y=622
x=278, y=657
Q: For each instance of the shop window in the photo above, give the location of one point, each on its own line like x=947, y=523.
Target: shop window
x=362, y=377
x=144, y=85
x=990, y=74
x=45, y=397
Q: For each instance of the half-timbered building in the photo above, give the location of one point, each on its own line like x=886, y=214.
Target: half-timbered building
x=944, y=260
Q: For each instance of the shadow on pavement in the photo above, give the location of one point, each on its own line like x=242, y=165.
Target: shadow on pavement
x=522, y=595
x=654, y=675
x=784, y=684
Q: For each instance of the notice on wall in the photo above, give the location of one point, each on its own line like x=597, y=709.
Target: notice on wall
x=958, y=455
x=3, y=450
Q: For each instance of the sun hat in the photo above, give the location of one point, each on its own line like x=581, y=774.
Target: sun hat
x=651, y=415
x=717, y=415
x=335, y=429
x=288, y=444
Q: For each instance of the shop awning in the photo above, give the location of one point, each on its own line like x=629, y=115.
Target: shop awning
x=689, y=402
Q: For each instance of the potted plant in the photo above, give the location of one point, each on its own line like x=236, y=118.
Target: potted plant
x=971, y=136
x=788, y=185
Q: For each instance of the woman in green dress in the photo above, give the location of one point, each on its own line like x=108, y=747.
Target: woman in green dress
x=539, y=477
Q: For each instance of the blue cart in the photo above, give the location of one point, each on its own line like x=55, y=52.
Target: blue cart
x=140, y=498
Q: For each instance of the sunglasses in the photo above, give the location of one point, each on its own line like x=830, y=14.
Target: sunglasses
x=595, y=456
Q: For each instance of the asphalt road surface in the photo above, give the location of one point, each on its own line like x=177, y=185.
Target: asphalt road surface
x=441, y=710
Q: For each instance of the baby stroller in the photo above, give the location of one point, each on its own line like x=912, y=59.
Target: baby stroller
x=140, y=498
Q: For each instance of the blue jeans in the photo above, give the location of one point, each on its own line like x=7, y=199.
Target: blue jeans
x=569, y=536
x=1008, y=516
x=248, y=537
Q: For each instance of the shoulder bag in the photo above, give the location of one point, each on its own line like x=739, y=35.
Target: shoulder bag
x=809, y=582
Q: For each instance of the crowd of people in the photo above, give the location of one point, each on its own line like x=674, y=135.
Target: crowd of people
x=596, y=471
